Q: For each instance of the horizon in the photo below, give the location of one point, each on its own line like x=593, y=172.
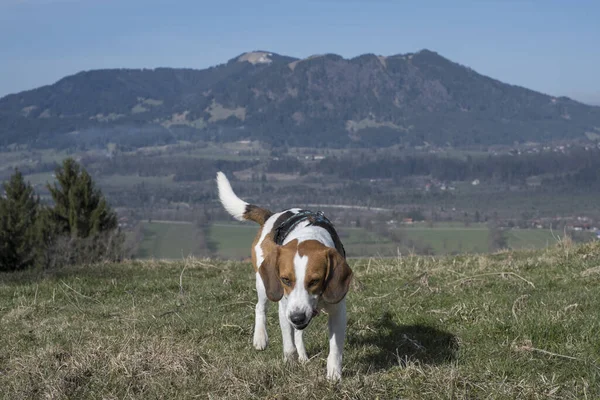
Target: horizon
x=542, y=46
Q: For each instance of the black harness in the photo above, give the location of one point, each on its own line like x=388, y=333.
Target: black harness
x=315, y=218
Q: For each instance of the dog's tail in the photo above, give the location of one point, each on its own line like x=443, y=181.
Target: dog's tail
x=237, y=207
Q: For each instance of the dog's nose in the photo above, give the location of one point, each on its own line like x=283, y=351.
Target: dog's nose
x=298, y=318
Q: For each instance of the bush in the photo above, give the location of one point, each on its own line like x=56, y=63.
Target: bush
x=66, y=250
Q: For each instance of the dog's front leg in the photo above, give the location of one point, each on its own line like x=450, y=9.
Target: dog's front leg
x=302, y=356
x=337, y=334
x=261, y=339
x=287, y=332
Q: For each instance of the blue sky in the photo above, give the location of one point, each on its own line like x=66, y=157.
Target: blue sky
x=546, y=45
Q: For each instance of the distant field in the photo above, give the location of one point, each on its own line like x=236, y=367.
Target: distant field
x=40, y=179
x=131, y=180
x=443, y=239
x=233, y=240
x=359, y=242
x=225, y=151
x=530, y=238
x=168, y=240
x=21, y=158
x=456, y=238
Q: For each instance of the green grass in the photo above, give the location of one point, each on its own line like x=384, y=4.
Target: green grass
x=513, y=325
x=168, y=240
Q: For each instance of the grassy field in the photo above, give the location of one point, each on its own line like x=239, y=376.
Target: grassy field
x=233, y=240
x=504, y=326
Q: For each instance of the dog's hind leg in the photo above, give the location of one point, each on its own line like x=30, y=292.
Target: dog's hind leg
x=261, y=339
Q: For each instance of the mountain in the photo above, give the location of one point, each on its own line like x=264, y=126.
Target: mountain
x=322, y=100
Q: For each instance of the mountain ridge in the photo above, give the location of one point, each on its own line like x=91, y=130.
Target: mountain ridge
x=322, y=100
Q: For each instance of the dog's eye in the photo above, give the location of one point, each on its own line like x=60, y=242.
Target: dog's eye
x=286, y=281
x=314, y=282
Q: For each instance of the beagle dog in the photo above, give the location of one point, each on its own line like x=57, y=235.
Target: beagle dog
x=299, y=262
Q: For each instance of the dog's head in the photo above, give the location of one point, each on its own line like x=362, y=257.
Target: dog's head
x=304, y=273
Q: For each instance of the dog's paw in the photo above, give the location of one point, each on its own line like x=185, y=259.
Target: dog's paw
x=290, y=356
x=261, y=340
x=302, y=357
x=334, y=372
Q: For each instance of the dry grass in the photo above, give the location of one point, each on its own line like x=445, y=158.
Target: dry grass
x=510, y=325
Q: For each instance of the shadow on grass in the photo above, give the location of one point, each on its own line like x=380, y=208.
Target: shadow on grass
x=388, y=344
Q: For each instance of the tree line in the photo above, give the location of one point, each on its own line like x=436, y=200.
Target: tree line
x=79, y=227
x=183, y=168
x=579, y=167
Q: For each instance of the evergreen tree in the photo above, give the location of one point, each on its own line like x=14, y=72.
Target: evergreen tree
x=81, y=228
x=46, y=237
x=80, y=209
x=18, y=212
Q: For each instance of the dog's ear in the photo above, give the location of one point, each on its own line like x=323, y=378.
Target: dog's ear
x=269, y=273
x=339, y=276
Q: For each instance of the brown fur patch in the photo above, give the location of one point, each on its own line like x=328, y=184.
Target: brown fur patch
x=269, y=270
x=317, y=266
x=287, y=253
x=339, y=276
x=253, y=251
x=327, y=266
x=257, y=214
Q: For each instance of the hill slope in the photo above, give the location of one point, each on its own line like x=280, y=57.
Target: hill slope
x=323, y=100
x=510, y=325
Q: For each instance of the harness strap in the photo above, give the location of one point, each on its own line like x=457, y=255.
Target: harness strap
x=315, y=218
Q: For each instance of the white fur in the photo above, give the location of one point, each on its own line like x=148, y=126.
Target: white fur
x=303, y=232
x=299, y=301
x=302, y=356
x=233, y=204
x=287, y=332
